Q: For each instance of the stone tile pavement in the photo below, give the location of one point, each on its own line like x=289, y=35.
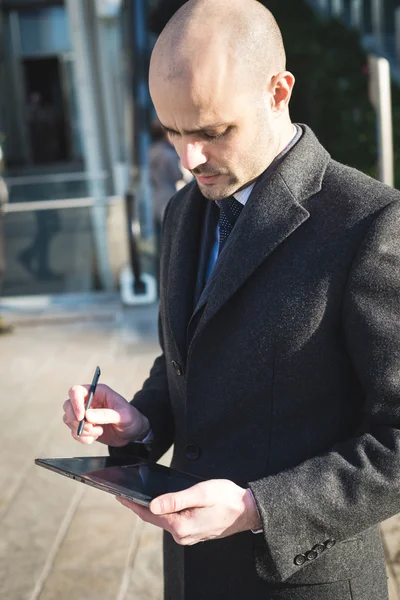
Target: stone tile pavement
x=60, y=539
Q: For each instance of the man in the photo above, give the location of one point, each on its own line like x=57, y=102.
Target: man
x=165, y=173
x=35, y=257
x=279, y=380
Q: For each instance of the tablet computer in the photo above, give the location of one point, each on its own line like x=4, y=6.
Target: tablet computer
x=133, y=478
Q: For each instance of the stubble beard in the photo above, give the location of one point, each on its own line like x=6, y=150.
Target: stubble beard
x=219, y=192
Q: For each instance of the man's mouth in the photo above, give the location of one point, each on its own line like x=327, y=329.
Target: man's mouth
x=207, y=179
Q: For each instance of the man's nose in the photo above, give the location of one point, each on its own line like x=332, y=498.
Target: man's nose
x=192, y=155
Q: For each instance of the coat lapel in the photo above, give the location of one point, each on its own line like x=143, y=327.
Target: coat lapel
x=272, y=213
x=182, y=275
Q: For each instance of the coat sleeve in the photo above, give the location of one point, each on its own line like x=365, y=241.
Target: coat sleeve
x=333, y=497
x=153, y=401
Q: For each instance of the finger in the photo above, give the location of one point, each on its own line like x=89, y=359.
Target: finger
x=101, y=416
x=139, y=510
x=89, y=434
x=94, y=431
x=178, y=527
x=67, y=421
x=69, y=416
x=193, y=497
x=67, y=405
x=86, y=440
x=146, y=515
x=77, y=396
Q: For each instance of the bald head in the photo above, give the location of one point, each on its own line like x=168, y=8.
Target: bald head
x=239, y=35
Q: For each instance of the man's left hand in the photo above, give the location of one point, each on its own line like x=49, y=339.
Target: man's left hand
x=211, y=509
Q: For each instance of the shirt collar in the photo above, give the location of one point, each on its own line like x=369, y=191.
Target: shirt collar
x=243, y=195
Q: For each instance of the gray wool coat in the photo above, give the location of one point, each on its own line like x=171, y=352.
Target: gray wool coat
x=287, y=380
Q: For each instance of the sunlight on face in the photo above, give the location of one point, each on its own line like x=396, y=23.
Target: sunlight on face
x=224, y=136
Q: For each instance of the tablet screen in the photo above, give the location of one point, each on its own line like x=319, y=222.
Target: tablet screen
x=149, y=480
x=132, y=478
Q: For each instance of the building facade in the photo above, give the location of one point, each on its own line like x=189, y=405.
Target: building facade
x=68, y=96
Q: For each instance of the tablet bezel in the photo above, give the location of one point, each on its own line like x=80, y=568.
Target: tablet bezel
x=74, y=468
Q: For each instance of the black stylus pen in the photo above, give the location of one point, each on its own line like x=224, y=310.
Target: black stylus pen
x=90, y=397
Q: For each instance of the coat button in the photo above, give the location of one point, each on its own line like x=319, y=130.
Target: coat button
x=319, y=548
x=192, y=452
x=329, y=544
x=300, y=560
x=311, y=555
x=178, y=369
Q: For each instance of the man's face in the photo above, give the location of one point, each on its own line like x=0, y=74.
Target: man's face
x=223, y=134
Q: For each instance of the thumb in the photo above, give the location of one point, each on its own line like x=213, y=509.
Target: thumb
x=102, y=416
x=193, y=497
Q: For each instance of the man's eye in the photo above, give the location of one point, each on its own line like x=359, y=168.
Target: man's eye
x=215, y=136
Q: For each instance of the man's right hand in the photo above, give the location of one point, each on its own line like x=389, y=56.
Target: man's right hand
x=110, y=420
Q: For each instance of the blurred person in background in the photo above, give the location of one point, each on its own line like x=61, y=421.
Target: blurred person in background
x=5, y=327
x=36, y=256
x=45, y=149
x=279, y=377
x=42, y=122
x=166, y=177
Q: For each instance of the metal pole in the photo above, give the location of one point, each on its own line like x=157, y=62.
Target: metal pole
x=356, y=14
x=143, y=190
x=378, y=23
x=337, y=8
x=18, y=86
x=380, y=95
x=90, y=127
x=131, y=125
x=102, y=27
x=323, y=5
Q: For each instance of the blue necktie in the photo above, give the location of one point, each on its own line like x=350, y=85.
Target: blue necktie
x=229, y=211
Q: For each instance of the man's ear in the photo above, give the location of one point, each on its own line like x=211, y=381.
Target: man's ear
x=282, y=87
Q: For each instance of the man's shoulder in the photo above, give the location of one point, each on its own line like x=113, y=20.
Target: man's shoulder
x=347, y=184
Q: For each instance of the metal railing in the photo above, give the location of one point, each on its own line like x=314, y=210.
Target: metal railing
x=87, y=202
x=54, y=178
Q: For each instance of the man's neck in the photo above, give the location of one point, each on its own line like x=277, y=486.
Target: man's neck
x=286, y=139
x=287, y=136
